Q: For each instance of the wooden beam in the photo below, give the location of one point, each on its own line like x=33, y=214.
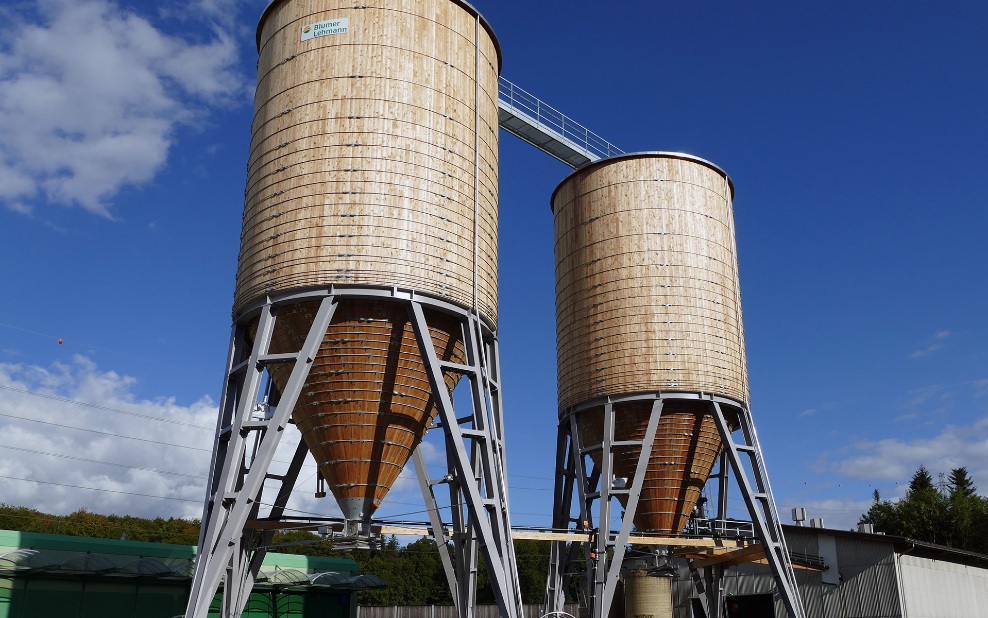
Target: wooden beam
x=714, y=545
x=731, y=558
x=795, y=565
x=668, y=541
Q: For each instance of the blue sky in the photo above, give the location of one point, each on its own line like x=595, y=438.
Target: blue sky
x=855, y=134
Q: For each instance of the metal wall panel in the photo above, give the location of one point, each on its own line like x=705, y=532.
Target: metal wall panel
x=938, y=589
x=868, y=584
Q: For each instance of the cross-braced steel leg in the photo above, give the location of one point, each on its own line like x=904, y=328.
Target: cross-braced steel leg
x=605, y=552
x=435, y=519
x=236, y=481
x=757, y=494
x=478, y=488
x=474, y=449
x=558, y=582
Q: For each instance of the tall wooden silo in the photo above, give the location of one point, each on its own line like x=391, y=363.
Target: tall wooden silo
x=653, y=382
x=373, y=162
x=367, y=279
x=648, y=301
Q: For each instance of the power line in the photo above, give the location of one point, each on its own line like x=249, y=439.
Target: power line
x=105, y=433
x=99, y=407
x=296, y=489
x=117, y=435
x=89, y=346
x=112, y=491
x=97, y=461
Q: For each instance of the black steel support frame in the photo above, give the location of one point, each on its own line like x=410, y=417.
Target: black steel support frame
x=248, y=434
x=579, y=479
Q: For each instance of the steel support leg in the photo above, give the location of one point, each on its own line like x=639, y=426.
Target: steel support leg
x=562, y=504
x=236, y=483
x=479, y=482
x=757, y=494
x=634, y=493
x=474, y=445
x=605, y=552
x=435, y=519
x=603, y=568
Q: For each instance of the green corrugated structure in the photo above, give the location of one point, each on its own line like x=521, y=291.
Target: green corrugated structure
x=53, y=576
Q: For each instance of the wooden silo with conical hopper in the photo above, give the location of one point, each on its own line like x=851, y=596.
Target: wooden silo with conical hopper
x=367, y=278
x=648, y=301
x=652, y=375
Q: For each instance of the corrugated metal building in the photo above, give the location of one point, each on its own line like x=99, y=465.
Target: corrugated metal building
x=866, y=576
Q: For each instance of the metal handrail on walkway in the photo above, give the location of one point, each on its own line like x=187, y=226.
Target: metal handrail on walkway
x=553, y=122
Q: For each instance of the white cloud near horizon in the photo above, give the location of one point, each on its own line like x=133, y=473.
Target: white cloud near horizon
x=896, y=459
x=166, y=452
x=91, y=95
x=73, y=429
x=837, y=514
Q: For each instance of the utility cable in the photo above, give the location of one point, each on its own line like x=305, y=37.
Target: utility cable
x=97, y=461
x=112, y=491
x=99, y=407
x=105, y=433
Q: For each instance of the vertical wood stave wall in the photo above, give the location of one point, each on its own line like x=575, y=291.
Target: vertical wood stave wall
x=648, y=300
x=373, y=162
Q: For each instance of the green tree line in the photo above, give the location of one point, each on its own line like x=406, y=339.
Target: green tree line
x=949, y=513
x=414, y=572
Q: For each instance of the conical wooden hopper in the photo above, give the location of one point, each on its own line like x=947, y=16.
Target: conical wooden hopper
x=367, y=402
x=686, y=446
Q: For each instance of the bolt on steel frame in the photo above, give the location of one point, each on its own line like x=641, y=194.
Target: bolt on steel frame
x=245, y=445
x=580, y=480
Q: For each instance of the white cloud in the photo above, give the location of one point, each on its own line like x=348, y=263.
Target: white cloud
x=837, y=514
x=91, y=95
x=64, y=425
x=980, y=387
x=896, y=459
x=167, y=457
x=934, y=346
x=216, y=8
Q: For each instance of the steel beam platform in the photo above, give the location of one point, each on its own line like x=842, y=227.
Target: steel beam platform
x=232, y=546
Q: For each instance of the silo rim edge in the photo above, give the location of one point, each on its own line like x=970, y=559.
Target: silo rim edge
x=641, y=155
x=469, y=7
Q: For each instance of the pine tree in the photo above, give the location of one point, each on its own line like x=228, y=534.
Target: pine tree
x=954, y=516
x=960, y=483
x=962, y=500
x=924, y=510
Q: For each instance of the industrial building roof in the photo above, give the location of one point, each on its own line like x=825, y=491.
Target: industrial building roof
x=904, y=545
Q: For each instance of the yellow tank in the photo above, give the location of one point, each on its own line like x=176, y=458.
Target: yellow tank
x=647, y=596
